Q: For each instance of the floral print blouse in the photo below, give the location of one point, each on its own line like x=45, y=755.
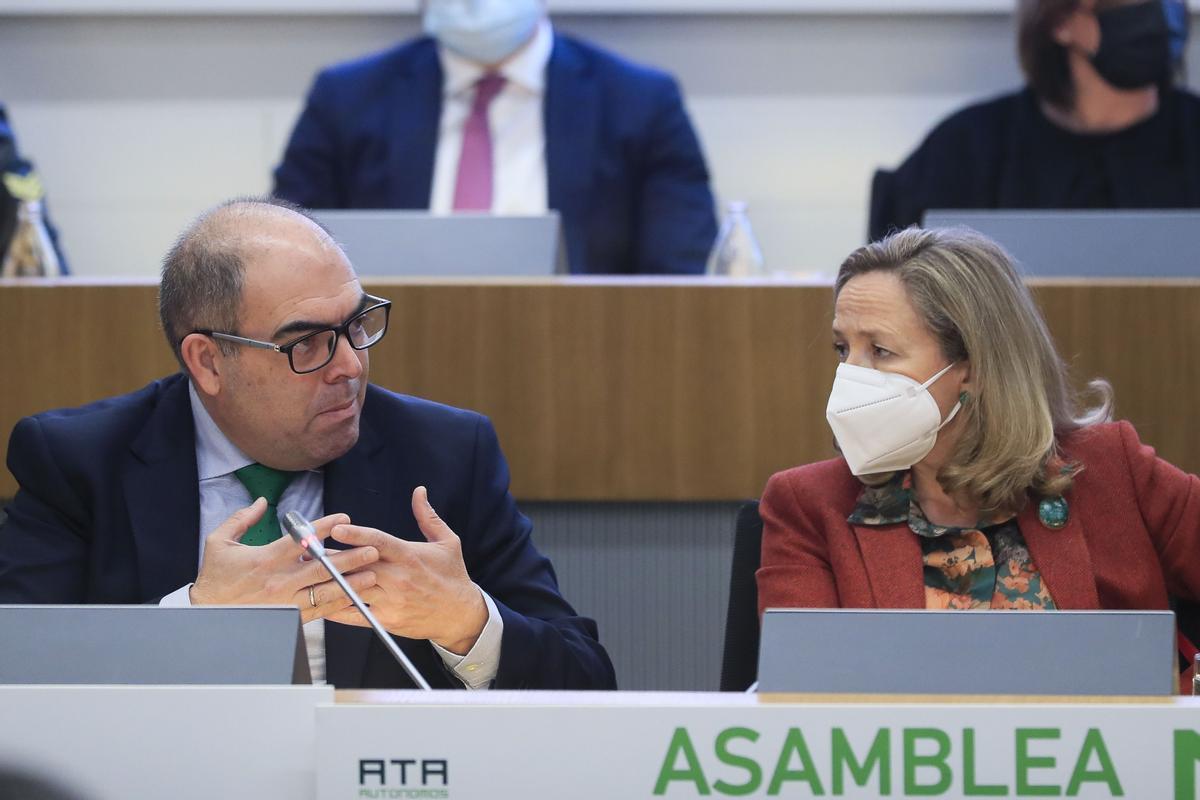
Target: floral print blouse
x=985, y=567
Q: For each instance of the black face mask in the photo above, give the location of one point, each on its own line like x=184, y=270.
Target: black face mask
x=1141, y=44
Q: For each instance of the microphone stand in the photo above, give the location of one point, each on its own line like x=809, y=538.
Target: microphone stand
x=303, y=533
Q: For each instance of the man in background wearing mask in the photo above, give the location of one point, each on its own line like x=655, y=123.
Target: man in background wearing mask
x=1099, y=124
x=495, y=111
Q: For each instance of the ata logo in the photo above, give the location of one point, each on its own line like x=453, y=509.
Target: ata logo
x=404, y=778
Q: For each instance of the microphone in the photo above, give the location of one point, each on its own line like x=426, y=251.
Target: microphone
x=303, y=533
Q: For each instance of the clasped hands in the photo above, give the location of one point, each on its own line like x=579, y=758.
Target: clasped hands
x=420, y=590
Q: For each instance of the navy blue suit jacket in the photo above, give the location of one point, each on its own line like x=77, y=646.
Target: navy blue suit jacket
x=625, y=169
x=108, y=511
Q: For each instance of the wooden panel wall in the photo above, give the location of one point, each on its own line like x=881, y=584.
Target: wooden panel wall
x=617, y=391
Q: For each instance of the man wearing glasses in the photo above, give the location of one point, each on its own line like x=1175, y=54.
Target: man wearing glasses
x=173, y=494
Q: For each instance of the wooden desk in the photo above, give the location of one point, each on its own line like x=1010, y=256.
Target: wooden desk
x=617, y=390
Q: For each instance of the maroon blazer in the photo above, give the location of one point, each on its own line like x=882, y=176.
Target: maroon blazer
x=1132, y=537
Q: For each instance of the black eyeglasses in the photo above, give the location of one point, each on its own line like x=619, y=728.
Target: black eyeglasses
x=314, y=350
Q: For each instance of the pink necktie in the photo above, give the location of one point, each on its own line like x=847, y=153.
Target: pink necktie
x=473, y=188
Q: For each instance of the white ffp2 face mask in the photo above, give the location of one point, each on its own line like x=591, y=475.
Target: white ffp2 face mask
x=485, y=31
x=883, y=422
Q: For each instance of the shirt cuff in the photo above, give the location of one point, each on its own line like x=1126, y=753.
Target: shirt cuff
x=180, y=598
x=478, y=668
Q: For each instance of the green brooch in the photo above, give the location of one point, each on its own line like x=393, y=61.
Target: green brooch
x=1053, y=512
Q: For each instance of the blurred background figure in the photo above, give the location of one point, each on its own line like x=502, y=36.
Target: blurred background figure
x=28, y=242
x=20, y=784
x=1098, y=125
x=494, y=111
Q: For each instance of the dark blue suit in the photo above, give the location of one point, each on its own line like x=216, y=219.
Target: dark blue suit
x=108, y=511
x=624, y=166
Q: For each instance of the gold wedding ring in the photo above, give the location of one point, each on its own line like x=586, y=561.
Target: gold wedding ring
x=312, y=597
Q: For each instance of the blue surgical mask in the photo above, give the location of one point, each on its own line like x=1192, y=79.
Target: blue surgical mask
x=484, y=31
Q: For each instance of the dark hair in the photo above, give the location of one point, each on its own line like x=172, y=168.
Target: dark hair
x=202, y=273
x=1043, y=60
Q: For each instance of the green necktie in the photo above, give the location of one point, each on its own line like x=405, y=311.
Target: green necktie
x=269, y=483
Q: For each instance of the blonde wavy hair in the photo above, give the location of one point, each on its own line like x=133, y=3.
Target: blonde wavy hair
x=971, y=296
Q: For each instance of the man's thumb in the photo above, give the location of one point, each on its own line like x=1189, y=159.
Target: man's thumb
x=234, y=528
x=431, y=524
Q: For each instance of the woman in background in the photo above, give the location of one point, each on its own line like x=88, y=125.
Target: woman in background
x=1099, y=124
x=971, y=476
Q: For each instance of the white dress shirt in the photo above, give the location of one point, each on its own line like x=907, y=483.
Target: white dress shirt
x=516, y=122
x=221, y=494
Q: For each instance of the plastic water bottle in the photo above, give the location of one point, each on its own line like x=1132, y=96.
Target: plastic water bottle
x=736, y=253
x=30, y=251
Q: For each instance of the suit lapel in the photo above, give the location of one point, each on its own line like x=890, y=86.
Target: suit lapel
x=414, y=106
x=892, y=557
x=571, y=111
x=1062, y=558
x=162, y=494
x=353, y=487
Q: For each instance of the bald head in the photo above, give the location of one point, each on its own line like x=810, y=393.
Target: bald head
x=203, y=274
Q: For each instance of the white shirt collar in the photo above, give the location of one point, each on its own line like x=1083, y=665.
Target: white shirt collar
x=527, y=69
x=215, y=454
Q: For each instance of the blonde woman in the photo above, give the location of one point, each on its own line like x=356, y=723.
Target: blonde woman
x=971, y=476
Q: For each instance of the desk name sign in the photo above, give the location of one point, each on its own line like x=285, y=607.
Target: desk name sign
x=704, y=747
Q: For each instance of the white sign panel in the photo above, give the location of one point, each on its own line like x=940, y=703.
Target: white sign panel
x=180, y=742
x=685, y=749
